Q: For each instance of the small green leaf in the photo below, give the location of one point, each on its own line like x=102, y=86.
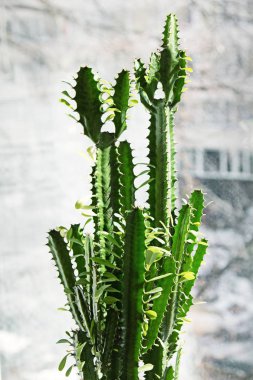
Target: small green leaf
x=100, y=291
x=110, y=300
x=151, y=314
x=82, y=281
x=145, y=368
x=188, y=275
x=109, y=117
x=202, y=242
x=145, y=183
x=64, y=101
x=68, y=372
x=69, y=233
x=87, y=221
x=111, y=276
x=68, y=291
x=79, y=350
x=132, y=102
x=155, y=290
x=74, y=240
x=63, y=363
x=80, y=205
x=151, y=258
x=72, y=117
x=66, y=94
x=63, y=341
x=159, y=277
x=157, y=249
x=104, y=262
x=156, y=295
x=110, y=238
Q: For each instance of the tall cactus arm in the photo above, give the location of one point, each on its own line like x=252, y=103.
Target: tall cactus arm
x=169, y=54
x=101, y=197
x=111, y=343
x=186, y=296
x=196, y=263
x=97, y=101
x=178, y=250
x=133, y=283
x=61, y=256
x=127, y=189
x=170, y=37
x=197, y=202
x=121, y=101
x=169, y=67
x=88, y=103
x=60, y=253
x=160, y=303
x=173, y=63
x=190, y=264
x=158, y=353
x=162, y=169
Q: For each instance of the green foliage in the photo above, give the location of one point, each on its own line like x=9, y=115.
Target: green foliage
x=128, y=285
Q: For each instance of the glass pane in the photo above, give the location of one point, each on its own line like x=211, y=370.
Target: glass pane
x=211, y=160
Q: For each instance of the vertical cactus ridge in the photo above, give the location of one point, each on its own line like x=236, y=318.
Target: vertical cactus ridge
x=128, y=284
x=61, y=257
x=84, y=357
x=78, y=248
x=127, y=177
x=60, y=253
x=121, y=98
x=88, y=103
x=158, y=354
x=101, y=198
x=91, y=278
x=160, y=303
x=171, y=152
x=186, y=299
x=162, y=167
x=115, y=180
x=179, y=243
x=133, y=283
x=109, y=337
x=170, y=38
x=197, y=202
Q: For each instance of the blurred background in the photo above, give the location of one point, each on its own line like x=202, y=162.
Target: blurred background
x=43, y=171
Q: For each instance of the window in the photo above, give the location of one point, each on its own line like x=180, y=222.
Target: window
x=251, y=163
x=211, y=160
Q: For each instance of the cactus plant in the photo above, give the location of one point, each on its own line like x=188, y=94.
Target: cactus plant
x=128, y=285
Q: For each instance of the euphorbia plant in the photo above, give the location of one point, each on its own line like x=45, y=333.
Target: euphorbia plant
x=128, y=285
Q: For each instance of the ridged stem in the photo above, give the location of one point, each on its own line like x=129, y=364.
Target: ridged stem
x=162, y=169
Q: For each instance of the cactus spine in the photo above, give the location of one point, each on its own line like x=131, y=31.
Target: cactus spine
x=128, y=286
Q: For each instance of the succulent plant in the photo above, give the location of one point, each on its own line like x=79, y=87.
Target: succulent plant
x=128, y=285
